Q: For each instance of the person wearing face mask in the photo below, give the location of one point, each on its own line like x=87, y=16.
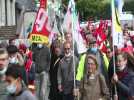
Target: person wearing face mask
x=123, y=78
x=101, y=59
x=3, y=68
x=100, y=56
x=66, y=72
x=42, y=58
x=16, y=88
x=16, y=58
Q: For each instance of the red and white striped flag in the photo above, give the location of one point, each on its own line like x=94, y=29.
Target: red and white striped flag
x=101, y=36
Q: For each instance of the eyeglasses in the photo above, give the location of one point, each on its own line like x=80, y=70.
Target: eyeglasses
x=67, y=48
x=91, y=64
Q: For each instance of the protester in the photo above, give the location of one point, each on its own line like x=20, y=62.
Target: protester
x=123, y=78
x=30, y=70
x=130, y=63
x=15, y=85
x=109, y=53
x=101, y=59
x=66, y=72
x=16, y=58
x=93, y=85
x=22, y=50
x=56, y=57
x=69, y=38
x=42, y=57
x=3, y=68
x=14, y=55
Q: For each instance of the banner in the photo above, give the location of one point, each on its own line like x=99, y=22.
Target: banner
x=29, y=18
x=40, y=32
x=75, y=28
x=116, y=26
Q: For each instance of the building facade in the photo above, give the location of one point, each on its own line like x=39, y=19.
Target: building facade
x=7, y=13
x=10, y=12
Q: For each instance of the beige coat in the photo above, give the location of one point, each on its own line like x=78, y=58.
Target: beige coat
x=94, y=89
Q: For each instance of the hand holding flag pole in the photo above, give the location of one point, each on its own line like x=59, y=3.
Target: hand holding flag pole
x=117, y=35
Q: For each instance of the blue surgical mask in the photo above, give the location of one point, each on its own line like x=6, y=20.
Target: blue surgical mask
x=94, y=49
x=11, y=89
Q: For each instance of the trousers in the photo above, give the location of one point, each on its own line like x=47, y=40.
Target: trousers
x=43, y=85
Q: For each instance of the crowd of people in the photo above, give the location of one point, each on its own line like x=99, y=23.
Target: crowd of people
x=59, y=72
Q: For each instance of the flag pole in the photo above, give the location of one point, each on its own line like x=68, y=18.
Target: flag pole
x=112, y=8
x=72, y=9
x=73, y=32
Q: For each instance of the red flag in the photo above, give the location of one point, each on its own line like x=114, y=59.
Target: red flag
x=101, y=36
x=41, y=23
x=43, y=3
x=40, y=32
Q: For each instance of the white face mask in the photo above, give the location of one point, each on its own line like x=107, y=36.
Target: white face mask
x=67, y=55
x=11, y=88
x=121, y=68
x=2, y=72
x=40, y=45
x=12, y=60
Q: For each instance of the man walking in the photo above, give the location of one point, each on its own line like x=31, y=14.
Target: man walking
x=41, y=56
x=66, y=73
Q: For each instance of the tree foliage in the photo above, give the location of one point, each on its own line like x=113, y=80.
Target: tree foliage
x=98, y=9
x=129, y=6
x=95, y=9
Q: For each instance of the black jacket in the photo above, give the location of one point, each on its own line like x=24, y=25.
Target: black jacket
x=42, y=58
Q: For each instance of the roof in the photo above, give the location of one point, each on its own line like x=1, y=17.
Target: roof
x=7, y=32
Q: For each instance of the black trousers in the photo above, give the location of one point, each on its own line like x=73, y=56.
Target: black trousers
x=68, y=97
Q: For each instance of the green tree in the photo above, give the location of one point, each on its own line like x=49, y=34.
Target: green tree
x=95, y=9
x=98, y=9
x=129, y=6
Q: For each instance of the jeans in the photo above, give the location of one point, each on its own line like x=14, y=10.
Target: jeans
x=43, y=85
